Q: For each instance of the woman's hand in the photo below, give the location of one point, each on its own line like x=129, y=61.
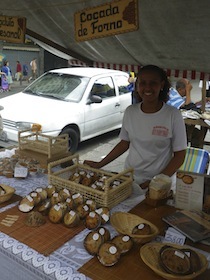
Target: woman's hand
x=93, y=164
x=145, y=185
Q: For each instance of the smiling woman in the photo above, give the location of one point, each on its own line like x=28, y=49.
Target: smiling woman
x=152, y=131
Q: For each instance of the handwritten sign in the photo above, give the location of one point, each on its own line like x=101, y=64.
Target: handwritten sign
x=12, y=29
x=106, y=20
x=174, y=236
x=20, y=172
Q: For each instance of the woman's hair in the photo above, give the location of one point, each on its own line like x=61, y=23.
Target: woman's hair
x=164, y=93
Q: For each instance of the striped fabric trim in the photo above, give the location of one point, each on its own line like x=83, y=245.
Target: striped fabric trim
x=187, y=74
x=195, y=160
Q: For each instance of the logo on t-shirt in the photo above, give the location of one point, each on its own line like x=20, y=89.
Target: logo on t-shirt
x=160, y=131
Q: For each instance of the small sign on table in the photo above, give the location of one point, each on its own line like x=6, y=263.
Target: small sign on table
x=21, y=172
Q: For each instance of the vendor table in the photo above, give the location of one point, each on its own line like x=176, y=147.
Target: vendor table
x=203, y=127
x=71, y=261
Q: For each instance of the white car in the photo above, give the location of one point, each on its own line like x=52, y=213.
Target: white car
x=83, y=102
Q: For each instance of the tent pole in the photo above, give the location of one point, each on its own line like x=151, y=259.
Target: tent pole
x=203, y=104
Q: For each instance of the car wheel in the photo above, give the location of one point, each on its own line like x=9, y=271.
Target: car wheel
x=73, y=139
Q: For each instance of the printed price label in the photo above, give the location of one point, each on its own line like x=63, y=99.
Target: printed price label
x=174, y=236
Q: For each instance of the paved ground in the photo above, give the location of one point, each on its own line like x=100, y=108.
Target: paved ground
x=16, y=87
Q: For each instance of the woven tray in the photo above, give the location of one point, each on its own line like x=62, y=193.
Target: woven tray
x=150, y=255
x=9, y=193
x=124, y=223
x=44, y=239
x=107, y=197
x=13, y=199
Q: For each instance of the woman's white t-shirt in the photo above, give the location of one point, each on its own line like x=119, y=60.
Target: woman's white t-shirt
x=153, y=139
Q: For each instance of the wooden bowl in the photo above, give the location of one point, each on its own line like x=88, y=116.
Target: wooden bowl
x=150, y=255
x=124, y=223
x=9, y=193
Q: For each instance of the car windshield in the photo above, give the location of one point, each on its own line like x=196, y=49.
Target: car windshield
x=59, y=86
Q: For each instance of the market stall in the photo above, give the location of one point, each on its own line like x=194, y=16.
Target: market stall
x=53, y=251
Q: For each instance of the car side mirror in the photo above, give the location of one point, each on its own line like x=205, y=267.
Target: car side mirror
x=94, y=99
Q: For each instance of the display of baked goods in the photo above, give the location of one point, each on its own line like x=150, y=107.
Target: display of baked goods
x=52, y=202
x=92, y=179
x=56, y=213
x=195, y=263
x=45, y=207
x=104, y=213
x=172, y=261
x=92, y=220
x=50, y=190
x=26, y=204
x=78, y=199
x=142, y=229
x=55, y=198
x=83, y=210
x=123, y=242
x=108, y=254
x=92, y=242
x=8, y=165
x=70, y=202
x=35, y=219
x=64, y=193
x=42, y=192
x=104, y=232
x=159, y=186
x=127, y=223
x=91, y=204
x=71, y=219
x=36, y=197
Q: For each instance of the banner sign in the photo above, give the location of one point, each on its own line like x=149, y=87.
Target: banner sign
x=106, y=20
x=12, y=29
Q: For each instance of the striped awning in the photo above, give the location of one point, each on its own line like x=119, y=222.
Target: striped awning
x=188, y=74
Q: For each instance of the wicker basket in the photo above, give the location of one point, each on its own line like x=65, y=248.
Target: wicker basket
x=42, y=147
x=124, y=223
x=38, y=142
x=9, y=193
x=109, y=197
x=150, y=256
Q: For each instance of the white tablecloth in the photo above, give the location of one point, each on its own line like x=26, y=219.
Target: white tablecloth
x=19, y=262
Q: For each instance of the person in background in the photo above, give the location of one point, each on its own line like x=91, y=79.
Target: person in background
x=181, y=96
x=33, y=65
x=6, y=69
x=152, y=132
x=18, y=71
x=2, y=76
x=131, y=86
x=181, y=99
x=25, y=71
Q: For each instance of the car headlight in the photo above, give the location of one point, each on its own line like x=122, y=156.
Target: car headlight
x=26, y=125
